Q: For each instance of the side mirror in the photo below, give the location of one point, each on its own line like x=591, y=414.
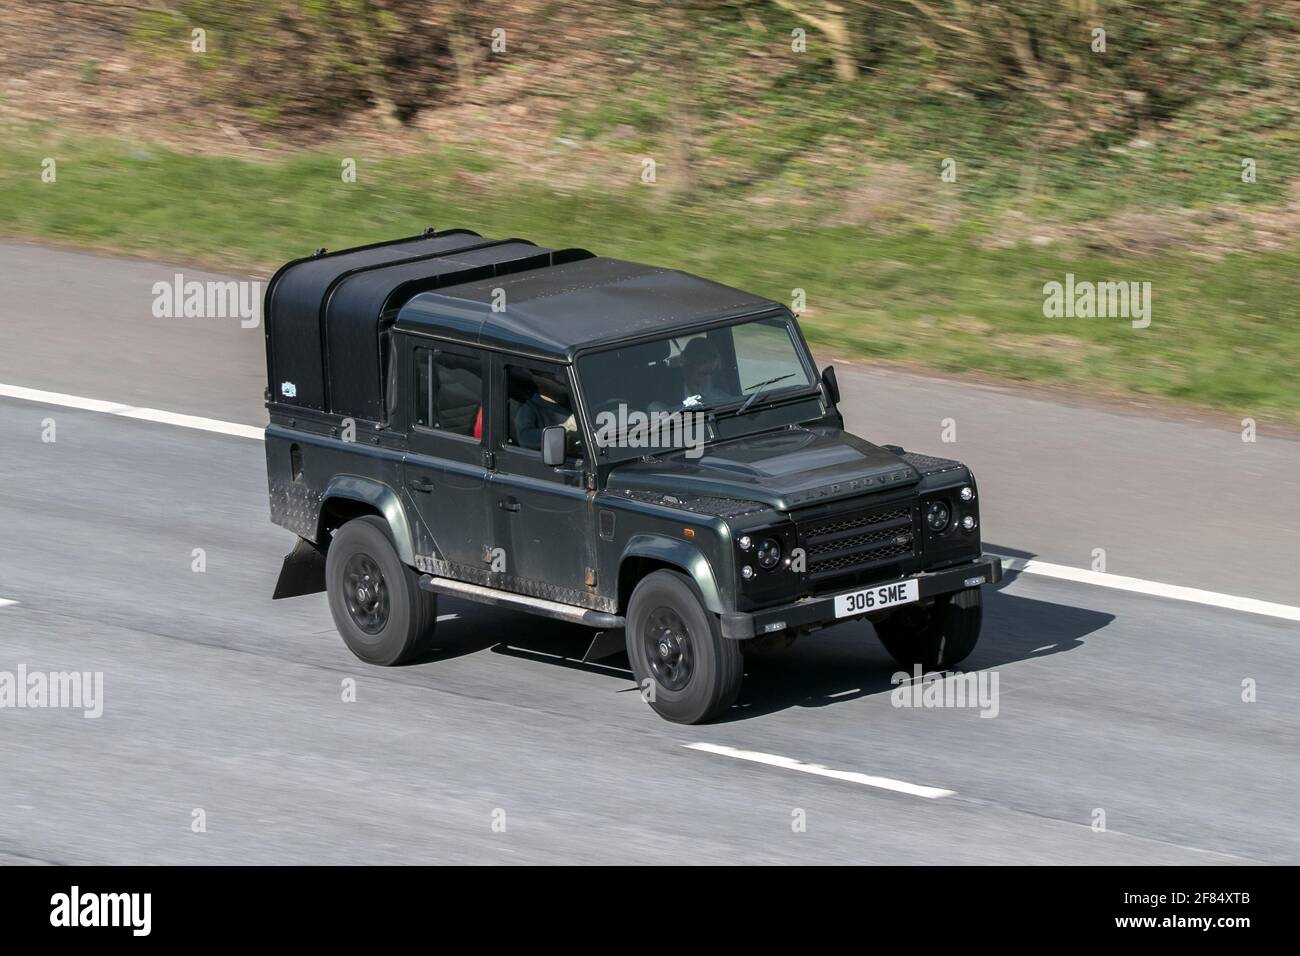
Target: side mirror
x=831, y=385
x=553, y=446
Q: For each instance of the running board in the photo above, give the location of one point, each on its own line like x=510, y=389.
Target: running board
x=533, y=605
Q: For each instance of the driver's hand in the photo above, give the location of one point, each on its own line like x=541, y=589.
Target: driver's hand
x=570, y=424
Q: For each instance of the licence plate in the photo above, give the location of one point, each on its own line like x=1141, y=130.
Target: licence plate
x=874, y=599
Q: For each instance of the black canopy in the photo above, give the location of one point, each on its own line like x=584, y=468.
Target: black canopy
x=326, y=314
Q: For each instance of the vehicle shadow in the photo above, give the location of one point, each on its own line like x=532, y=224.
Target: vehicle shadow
x=837, y=664
x=847, y=662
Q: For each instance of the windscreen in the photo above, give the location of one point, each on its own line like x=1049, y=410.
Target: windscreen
x=704, y=370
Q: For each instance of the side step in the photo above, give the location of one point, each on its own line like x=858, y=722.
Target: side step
x=533, y=605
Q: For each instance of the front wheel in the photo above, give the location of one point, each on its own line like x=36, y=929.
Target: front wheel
x=686, y=669
x=378, y=606
x=940, y=634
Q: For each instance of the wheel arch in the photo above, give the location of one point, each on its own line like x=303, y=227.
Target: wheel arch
x=646, y=553
x=351, y=496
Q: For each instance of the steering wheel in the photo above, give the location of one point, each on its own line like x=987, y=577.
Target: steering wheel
x=611, y=405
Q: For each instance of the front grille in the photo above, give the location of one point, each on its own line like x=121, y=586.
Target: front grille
x=843, y=547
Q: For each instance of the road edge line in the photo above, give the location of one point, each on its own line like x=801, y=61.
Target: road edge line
x=1176, y=592
x=132, y=411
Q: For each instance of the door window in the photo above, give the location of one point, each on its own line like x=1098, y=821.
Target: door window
x=536, y=399
x=449, y=392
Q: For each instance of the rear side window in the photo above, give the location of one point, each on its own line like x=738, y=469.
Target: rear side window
x=449, y=392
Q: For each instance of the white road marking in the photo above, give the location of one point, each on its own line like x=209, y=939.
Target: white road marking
x=5, y=602
x=851, y=776
x=131, y=411
x=1025, y=566
x=1176, y=592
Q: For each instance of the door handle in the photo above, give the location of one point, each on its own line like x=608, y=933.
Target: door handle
x=421, y=484
x=508, y=504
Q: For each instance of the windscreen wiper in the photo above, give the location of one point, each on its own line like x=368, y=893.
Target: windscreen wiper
x=760, y=386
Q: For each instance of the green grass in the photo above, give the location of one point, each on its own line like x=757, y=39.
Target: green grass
x=1224, y=333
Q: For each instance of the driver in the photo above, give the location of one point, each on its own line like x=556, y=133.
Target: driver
x=702, y=374
x=548, y=405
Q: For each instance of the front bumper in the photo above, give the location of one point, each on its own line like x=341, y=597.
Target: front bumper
x=821, y=610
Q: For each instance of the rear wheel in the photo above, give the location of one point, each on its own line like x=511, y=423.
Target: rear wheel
x=679, y=657
x=940, y=634
x=376, y=601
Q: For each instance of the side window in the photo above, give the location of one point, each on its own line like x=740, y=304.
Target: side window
x=449, y=392
x=536, y=399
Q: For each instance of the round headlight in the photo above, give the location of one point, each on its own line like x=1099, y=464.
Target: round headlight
x=769, y=553
x=938, y=516
x=744, y=542
x=967, y=493
x=747, y=572
x=968, y=522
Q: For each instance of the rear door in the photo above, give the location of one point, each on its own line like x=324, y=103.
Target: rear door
x=445, y=471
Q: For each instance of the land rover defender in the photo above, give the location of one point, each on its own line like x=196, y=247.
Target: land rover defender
x=625, y=447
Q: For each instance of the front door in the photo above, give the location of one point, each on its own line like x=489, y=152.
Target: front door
x=445, y=475
x=542, y=514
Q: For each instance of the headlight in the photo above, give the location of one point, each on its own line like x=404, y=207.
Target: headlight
x=938, y=516
x=747, y=572
x=769, y=554
x=744, y=542
x=967, y=493
x=968, y=522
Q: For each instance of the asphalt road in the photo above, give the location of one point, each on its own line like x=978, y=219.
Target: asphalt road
x=502, y=748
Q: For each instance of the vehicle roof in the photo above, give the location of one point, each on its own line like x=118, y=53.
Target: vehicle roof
x=327, y=316
x=556, y=311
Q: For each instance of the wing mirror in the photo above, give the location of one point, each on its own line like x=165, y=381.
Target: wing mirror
x=553, y=446
x=831, y=385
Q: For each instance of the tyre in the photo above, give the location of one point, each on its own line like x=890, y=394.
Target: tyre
x=676, y=645
x=938, y=635
x=375, y=599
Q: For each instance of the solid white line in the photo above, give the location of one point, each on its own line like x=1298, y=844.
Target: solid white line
x=1025, y=566
x=131, y=411
x=5, y=602
x=789, y=763
x=1175, y=592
